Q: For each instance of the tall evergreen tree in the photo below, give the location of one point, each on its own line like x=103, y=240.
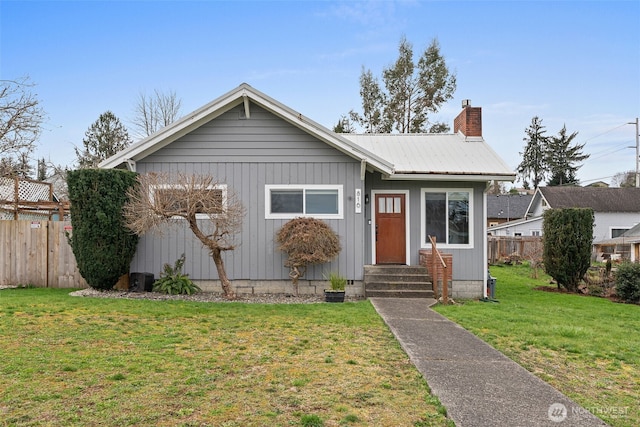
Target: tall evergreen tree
x=373, y=98
x=533, y=164
x=104, y=138
x=562, y=159
x=412, y=92
x=42, y=170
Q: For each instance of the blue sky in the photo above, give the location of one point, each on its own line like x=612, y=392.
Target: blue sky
x=568, y=62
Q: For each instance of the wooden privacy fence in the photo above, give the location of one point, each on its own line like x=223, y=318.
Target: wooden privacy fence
x=37, y=253
x=501, y=248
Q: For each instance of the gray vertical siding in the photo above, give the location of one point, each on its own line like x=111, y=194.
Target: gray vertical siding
x=468, y=264
x=247, y=154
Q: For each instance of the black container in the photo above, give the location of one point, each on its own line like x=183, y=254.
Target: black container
x=141, y=282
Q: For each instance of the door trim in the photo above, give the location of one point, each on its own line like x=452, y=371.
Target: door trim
x=406, y=219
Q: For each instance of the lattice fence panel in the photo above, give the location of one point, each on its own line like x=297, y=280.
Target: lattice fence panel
x=28, y=191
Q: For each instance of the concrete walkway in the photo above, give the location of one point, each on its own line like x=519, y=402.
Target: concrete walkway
x=477, y=384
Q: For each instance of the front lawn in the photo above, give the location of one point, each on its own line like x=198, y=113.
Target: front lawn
x=111, y=362
x=586, y=347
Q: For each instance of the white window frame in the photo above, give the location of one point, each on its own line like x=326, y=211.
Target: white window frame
x=222, y=187
x=304, y=187
x=424, y=240
x=622, y=227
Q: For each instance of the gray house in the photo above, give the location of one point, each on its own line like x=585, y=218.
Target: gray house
x=382, y=194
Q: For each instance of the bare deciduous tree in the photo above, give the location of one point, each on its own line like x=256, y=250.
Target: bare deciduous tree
x=20, y=119
x=154, y=112
x=213, y=213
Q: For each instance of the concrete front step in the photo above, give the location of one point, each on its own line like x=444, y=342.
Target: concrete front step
x=394, y=284
x=399, y=293
x=397, y=281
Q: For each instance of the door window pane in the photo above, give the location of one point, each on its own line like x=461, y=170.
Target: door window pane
x=382, y=205
x=389, y=204
x=397, y=206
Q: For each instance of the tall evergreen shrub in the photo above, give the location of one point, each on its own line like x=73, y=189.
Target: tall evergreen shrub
x=101, y=243
x=567, y=239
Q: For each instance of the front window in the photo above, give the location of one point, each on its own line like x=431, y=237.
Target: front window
x=205, y=202
x=290, y=201
x=446, y=216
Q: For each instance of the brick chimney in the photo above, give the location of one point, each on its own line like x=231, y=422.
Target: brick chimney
x=469, y=121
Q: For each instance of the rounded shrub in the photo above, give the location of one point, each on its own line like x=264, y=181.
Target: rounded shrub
x=628, y=282
x=102, y=245
x=307, y=241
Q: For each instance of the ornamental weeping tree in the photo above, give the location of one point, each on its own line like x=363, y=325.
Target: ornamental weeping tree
x=306, y=241
x=212, y=212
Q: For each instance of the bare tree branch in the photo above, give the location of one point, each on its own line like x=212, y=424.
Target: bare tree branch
x=213, y=213
x=152, y=113
x=20, y=119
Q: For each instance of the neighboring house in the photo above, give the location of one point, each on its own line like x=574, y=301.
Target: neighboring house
x=506, y=207
x=632, y=237
x=382, y=194
x=616, y=210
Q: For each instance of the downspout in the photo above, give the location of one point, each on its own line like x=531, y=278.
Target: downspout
x=485, y=252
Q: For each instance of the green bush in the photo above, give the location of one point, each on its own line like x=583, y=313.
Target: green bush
x=567, y=239
x=173, y=282
x=102, y=245
x=628, y=282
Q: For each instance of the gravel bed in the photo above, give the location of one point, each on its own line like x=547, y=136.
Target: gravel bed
x=206, y=297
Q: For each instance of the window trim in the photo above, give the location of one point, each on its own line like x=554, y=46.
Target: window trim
x=304, y=187
x=424, y=241
x=222, y=187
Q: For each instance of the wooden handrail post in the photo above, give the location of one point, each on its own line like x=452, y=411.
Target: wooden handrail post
x=445, y=272
x=434, y=270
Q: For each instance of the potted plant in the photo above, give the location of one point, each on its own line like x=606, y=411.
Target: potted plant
x=336, y=291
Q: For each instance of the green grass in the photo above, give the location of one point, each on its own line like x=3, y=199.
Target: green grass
x=113, y=362
x=586, y=347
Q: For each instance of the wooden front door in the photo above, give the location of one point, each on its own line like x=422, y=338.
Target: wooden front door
x=390, y=233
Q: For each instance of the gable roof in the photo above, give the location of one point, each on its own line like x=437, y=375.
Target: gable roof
x=511, y=206
x=243, y=94
x=600, y=199
x=436, y=156
x=414, y=156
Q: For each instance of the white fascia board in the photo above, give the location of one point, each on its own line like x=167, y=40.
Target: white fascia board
x=447, y=177
x=514, y=223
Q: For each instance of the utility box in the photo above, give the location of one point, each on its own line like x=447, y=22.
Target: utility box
x=491, y=286
x=141, y=282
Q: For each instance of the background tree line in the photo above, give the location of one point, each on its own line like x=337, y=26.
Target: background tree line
x=555, y=158
x=21, y=124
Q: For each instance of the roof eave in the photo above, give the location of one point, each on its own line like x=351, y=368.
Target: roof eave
x=413, y=176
